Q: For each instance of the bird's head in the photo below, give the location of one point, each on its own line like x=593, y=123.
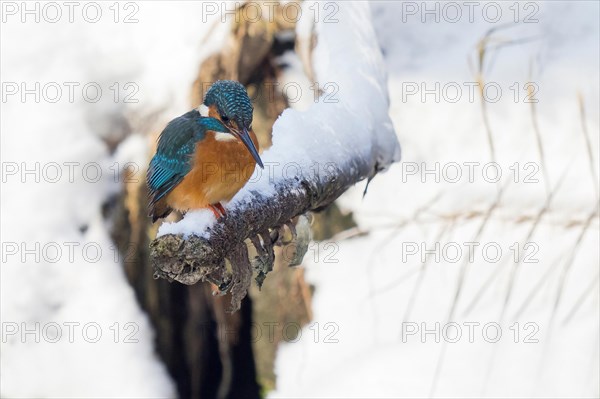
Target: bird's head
x=227, y=101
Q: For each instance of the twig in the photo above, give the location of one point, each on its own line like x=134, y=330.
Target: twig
x=459, y=284
x=202, y=258
x=538, y=135
x=588, y=144
x=581, y=299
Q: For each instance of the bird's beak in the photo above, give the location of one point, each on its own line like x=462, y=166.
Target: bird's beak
x=244, y=137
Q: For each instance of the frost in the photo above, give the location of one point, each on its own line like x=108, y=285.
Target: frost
x=201, y=217
x=354, y=347
x=53, y=289
x=352, y=132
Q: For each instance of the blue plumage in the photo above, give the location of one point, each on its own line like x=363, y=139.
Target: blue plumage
x=231, y=100
x=176, y=145
x=232, y=111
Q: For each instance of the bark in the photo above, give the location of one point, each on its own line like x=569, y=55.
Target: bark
x=194, y=259
x=208, y=352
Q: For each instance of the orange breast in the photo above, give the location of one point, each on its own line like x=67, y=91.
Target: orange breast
x=220, y=169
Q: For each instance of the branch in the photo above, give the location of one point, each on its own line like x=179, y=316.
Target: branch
x=202, y=258
x=317, y=155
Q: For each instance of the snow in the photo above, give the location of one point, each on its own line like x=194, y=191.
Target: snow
x=365, y=290
x=73, y=273
x=188, y=224
x=356, y=114
x=372, y=287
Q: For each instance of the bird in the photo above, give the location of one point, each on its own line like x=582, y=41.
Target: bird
x=205, y=156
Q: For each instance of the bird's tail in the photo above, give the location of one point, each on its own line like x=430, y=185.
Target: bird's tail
x=159, y=209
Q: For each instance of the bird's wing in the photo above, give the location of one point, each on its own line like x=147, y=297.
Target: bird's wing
x=173, y=158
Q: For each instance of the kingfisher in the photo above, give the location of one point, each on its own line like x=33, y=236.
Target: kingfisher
x=205, y=156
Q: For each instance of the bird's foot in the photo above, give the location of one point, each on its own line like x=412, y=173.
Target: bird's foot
x=217, y=210
x=220, y=208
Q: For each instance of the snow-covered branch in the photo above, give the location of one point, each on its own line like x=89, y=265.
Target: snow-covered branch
x=316, y=155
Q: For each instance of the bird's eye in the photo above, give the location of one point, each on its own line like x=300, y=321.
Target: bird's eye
x=224, y=118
